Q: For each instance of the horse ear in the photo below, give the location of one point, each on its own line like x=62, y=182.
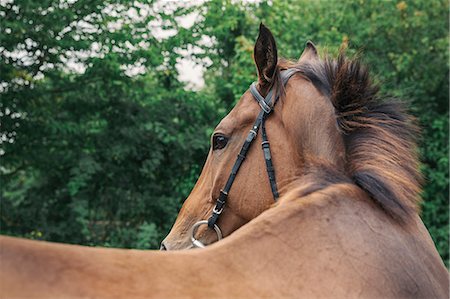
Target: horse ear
x=309, y=53
x=265, y=55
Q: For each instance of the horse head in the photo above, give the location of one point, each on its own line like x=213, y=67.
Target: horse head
x=301, y=129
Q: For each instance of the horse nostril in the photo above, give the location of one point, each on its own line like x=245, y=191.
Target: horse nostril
x=163, y=247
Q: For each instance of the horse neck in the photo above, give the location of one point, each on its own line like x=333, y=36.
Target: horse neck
x=268, y=244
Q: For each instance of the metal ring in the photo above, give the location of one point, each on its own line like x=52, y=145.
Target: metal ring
x=196, y=242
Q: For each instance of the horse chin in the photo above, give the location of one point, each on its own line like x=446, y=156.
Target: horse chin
x=184, y=244
x=174, y=243
x=169, y=248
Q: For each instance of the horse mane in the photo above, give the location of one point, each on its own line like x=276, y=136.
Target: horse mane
x=379, y=134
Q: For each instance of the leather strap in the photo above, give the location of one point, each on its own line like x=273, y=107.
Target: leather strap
x=268, y=158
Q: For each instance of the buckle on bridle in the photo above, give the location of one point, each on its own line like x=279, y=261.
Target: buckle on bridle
x=220, y=202
x=218, y=212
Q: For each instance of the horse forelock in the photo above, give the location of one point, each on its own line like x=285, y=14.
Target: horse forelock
x=379, y=134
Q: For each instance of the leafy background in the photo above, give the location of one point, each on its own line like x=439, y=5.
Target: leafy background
x=100, y=141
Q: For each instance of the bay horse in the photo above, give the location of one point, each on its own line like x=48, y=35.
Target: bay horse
x=345, y=224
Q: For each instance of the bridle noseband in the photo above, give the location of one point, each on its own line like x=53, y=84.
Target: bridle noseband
x=267, y=106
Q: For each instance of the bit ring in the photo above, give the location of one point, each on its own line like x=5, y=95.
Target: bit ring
x=195, y=227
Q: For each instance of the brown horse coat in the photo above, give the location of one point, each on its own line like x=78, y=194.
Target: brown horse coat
x=323, y=240
x=346, y=224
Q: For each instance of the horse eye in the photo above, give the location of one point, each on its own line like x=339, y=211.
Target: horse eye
x=219, y=142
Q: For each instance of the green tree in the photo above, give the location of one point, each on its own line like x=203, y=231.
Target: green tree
x=95, y=156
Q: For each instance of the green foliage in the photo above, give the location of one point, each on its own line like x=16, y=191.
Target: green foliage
x=95, y=157
x=102, y=157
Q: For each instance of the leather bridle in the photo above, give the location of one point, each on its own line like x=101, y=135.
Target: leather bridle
x=267, y=104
